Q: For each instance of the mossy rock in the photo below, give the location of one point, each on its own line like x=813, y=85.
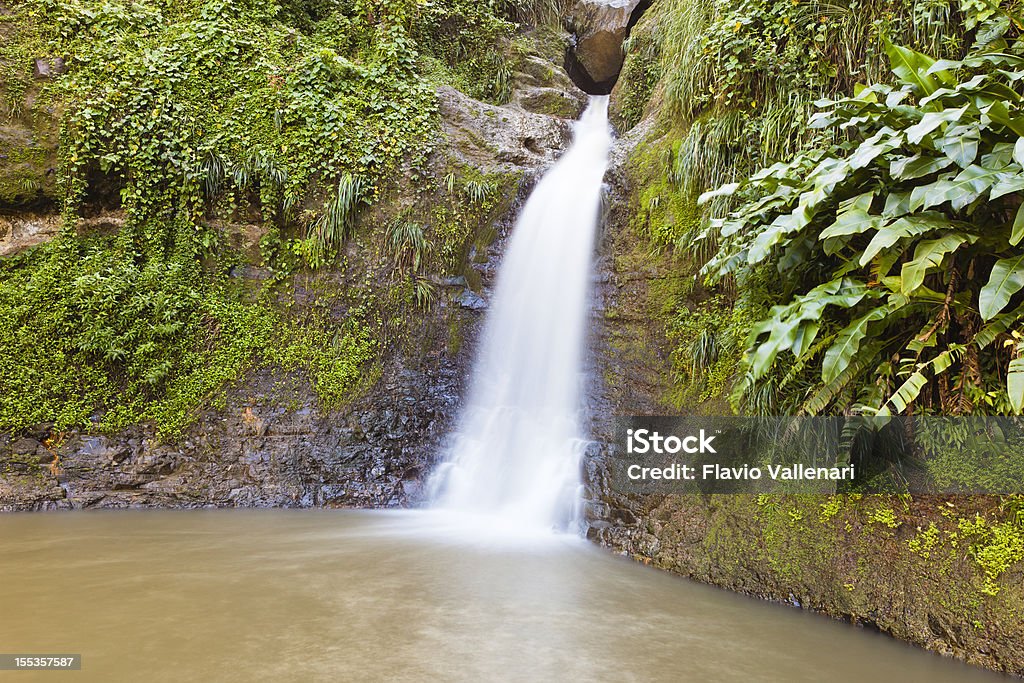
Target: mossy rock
x=550, y=101
x=28, y=157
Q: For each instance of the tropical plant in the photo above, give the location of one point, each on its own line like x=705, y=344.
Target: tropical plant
x=408, y=244
x=898, y=247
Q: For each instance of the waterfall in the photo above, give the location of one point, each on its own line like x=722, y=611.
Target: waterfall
x=517, y=449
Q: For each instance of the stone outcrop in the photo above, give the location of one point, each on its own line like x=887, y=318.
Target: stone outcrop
x=499, y=139
x=544, y=88
x=26, y=229
x=29, y=132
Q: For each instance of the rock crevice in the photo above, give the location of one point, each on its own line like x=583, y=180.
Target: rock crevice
x=600, y=27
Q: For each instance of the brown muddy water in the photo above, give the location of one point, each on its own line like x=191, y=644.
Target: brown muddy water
x=370, y=596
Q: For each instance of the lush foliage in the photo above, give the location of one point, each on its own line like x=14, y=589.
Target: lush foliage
x=215, y=102
x=745, y=73
x=187, y=116
x=95, y=339
x=740, y=79
x=899, y=245
x=756, y=52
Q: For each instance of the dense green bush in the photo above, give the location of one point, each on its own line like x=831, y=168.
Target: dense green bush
x=740, y=80
x=899, y=247
x=91, y=334
x=292, y=115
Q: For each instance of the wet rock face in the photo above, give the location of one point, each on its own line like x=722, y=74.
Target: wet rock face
x=629, y=351
x=375, y=453
x=601, y=26
x=542, y=87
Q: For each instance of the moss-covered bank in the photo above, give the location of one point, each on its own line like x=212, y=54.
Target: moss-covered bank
x=942, y=573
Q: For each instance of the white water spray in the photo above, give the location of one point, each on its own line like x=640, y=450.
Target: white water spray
x=517, y=450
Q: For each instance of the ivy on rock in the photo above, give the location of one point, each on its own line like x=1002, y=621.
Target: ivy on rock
x=192, y=114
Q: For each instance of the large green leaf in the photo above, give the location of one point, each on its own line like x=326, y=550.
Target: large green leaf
x=852, y=223
x=912, y=168
x=960, y=191
x=1000, y=113
x=1015, y=384
x=805, y=337
x=783, y=335
x=795, y=326
x=918, y=380
x=906, y=394
x=782, y=226
x=999, y=325
x=912, y=68
x=881, y=142
x=839, y=355
x=961, y=144
x=897, y=204
x=1000, y=156
x=929, y=254
x=908, y=226
x=932, y=120
x=853, y=218
x=1018, y=227
x=820, y=399
x=724, y=191
x=1001, y=59
x=1008, y=183
x=1006, y=280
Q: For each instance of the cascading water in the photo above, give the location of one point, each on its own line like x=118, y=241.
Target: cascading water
x=516, y=454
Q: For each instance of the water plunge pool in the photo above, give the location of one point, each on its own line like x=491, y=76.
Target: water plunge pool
x=397, y=596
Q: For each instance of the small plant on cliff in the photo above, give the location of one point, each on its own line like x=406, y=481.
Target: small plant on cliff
x=995, y=547
x=408, y=244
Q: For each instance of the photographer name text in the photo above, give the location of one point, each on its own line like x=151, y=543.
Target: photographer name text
x=644, y=442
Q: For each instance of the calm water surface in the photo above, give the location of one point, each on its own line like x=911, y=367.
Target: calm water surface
x=356, y=596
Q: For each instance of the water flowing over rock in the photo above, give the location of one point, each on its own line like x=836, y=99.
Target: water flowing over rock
x=518, y=446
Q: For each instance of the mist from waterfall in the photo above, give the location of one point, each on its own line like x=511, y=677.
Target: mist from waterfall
x=517, y=451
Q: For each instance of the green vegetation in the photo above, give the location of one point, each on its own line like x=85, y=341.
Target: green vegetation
x=858, y=556
x=838, y=187
x=182, y=117
x=936, y=154
x=737, y=83
x=994, y=546
x=96, y=339
x=825, y=314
